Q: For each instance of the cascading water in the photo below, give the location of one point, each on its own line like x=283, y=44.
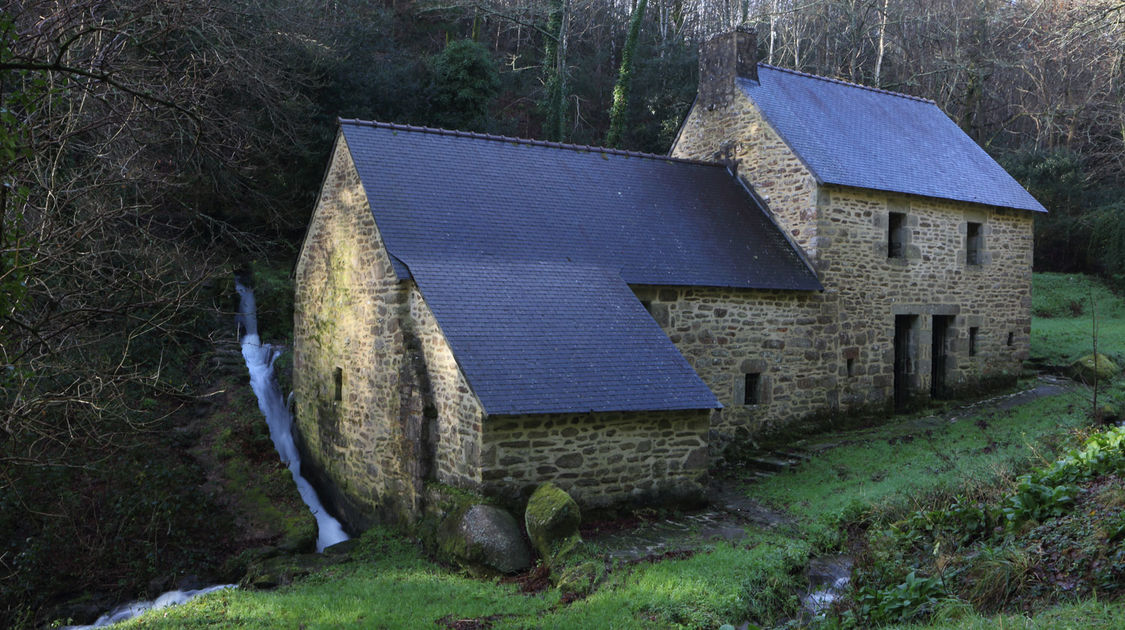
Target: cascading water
x=259, y=361
x=128, y=611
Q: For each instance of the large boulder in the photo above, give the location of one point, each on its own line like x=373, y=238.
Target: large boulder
x=485, y=537
x=552, y=518
x=1094, y=367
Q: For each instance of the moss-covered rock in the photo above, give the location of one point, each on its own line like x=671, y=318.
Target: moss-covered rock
x=1090, y=368
x=552, y=518
x=484, y=539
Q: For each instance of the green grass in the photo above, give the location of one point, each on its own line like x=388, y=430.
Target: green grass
x=893, y=466
x=755, y=579
x=390, y=585
x=1086, y=615
x=1063, y=308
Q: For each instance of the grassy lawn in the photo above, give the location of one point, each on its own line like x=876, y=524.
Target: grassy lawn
x=897, y=467
x=1089, y=614
x=1063, y=308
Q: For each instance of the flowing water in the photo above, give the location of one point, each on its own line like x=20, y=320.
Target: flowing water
x=260, y=358
x=259, y=362
x=128, y=611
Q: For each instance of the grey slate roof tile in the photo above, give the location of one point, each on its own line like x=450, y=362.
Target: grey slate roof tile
x=858, y=136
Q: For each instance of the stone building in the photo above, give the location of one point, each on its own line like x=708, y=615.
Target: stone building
x=491, y=313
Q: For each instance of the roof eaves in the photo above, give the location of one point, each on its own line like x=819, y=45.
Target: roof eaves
x=638, y=409
x=1041, y=210
x=848, y=83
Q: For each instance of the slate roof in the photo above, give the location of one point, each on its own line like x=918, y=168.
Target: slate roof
x=525, y=252
x=656, y=220
x=858, y=136
x=551, y=337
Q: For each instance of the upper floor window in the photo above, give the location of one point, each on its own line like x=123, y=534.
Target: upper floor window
x=896, y=235
x=974, y=244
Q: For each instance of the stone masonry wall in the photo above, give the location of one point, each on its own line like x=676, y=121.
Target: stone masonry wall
x=455, y=415
x=788, y=337
x=599, y=458
x=348, y=315
x=834, y=351
x=931, y=279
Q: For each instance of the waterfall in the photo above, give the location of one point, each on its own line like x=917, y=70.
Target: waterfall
x=259, y=361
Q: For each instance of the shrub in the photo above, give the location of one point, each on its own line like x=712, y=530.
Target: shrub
x=912, y=600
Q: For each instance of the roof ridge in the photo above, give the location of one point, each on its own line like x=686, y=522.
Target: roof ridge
x=849, y=84
x=581, y=148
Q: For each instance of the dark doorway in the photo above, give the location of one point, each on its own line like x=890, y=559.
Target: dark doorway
x=940, y=355
x=905, y=358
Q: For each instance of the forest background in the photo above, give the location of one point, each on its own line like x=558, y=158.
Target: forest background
x=149, y=148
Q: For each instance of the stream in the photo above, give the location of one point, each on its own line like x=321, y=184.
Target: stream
x=260, y=358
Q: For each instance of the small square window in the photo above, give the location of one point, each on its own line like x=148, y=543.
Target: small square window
x=338, y=381
x=752, y=390
x=896, y=235
x=1011, y=338
x=973, y=333
x=974, y=243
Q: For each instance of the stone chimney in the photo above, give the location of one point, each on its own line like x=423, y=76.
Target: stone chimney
x=723, y=58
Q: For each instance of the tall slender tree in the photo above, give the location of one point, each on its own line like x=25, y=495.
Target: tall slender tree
x=618, y=113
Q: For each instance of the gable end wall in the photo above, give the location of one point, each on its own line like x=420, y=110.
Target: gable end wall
x=736, y=133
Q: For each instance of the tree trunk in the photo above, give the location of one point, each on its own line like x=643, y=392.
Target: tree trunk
x=624, y=79
x=554, y=67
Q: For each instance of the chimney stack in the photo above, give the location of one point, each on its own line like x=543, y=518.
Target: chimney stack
x=723, y=58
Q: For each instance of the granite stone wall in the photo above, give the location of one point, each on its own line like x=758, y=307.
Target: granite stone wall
x=599, y=458
x=831, y=352
x=359, y=409
x=454, y=415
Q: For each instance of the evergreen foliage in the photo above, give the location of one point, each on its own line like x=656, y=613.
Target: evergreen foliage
x=466, y=81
